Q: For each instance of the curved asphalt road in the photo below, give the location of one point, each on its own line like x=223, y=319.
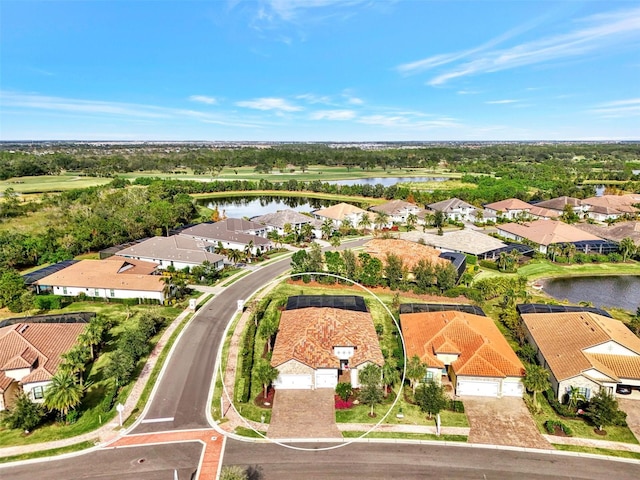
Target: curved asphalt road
x=180, y=403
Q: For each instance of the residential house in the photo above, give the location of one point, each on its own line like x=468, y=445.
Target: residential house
x=231, y=233
x=616, y=232
x=115, y=277
x=544, y=233
x=454, y=209
x=29, y=357
x=410, y=252
x=178, y=251
x=584, y=350
x=612, y=207
x=558, y=204
x=516, y=209
x=317, y=346
x=339, y=213
x=468, y=241
x=466, y=347
x=398, y=210
x=278, y=220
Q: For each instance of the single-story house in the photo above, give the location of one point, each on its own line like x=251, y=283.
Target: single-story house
x=616, y=232
x=410, y=252
x=223, y=233
x=544, y=233
x=454, y=209
x=584, y=350
x=468, y=348
x=29, y=356
x=115, y=277
x=178, y=251
x=558, y=205
x=277, y=221
x=316, y=347
x=468, y=241
x=397, y=210
x=611, y=207
x=340, y=212
x=516, y=209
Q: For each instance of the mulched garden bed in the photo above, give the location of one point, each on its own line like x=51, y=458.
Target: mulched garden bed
x=261, y=401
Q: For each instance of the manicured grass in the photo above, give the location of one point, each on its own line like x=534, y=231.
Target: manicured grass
x=598, y=451
x=407, y=436
x=546, y=269
x=51, y=183
x=218, y=392
x=247, y=432
x=48, y=453
x=581, y=428
x=237, y=277
x=92, y=417
x=435, y=185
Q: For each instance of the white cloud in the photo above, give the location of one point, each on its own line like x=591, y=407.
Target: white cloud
x=401, y=121
x=203, y=99
x=467, y=92
x=313, y=98
x=501, y=102
x=595, y=33
x=333, y=115
x=269, y=103
x=619, y=108
x=291, y=9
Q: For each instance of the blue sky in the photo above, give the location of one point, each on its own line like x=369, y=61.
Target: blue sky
x=320, y=70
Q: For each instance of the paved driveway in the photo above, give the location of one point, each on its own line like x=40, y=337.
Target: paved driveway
x=303, y=414
x=632, y=407
x=502, y=421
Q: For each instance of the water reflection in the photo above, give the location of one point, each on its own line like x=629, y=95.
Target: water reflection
x=238, y=207
x=386, y=181
x=611, y=291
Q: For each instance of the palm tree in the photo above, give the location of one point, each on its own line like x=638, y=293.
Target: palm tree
x=234, y=255
x=92, y=335
x=265, y=374
x=74, y=361
x=327, y=228
x=306, y=231
x=627, y=248
x=390, y=375
x=346, y=224
x=63, y=393
x=248, y=250
x=536, y=379
x=416, y=370
x=574, y=396
x=412, y=219
x=438, y=220
x=219, y=249
x=365, y=221
x=381, y=219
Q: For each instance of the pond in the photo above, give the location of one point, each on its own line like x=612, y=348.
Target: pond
x=239, y=207
x=621, y=291
x=386, y=181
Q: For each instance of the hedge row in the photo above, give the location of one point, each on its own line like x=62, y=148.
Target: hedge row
x=247, y=351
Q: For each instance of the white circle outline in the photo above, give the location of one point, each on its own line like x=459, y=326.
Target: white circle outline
x=341, y=444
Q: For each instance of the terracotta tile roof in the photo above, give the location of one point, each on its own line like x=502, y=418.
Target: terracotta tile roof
x=411, y=253
x=466, y=241
x=5, y=382
x=563, y=337
x=339, y=211
x=484, y=352
x=112, y=273
x=45, y=340
x=559, y=203
x=394, y=207
x=308, y=335
x=280, y=218
x=547, y=232
x=508, y=204
x=621, y=365
x=24, y=359
x=615, y=232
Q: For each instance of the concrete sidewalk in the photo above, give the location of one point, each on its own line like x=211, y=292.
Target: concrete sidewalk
x=111, y=430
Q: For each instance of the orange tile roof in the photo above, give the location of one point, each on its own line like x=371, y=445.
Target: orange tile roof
x=508, y=204
x=113, y=273
x=563, y=337
x=546, y=232
x=339, y=211
x=46, y=341
x=484, y=352
x=410, y=252
x=308, y=335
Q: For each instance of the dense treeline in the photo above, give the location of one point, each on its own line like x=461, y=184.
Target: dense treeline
x=524, y=161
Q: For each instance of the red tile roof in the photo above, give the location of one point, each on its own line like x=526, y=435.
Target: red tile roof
x=308, y=335
x=483, y=351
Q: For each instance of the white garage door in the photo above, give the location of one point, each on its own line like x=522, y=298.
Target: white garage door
x=512, y=389
x=326, y=378
x=293, y=382
x=477, y=388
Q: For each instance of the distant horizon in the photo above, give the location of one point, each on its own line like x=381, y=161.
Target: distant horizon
x=320, y=71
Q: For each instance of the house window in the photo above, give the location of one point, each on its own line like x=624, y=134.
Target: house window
x=112, y=292
x=96, y=292
x=428, y=376
x=64, y=290
x=584, y=391
x=38, y=393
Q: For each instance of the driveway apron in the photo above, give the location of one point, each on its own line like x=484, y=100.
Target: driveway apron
x=303, y=414
x=502, y=421
x=632, y=408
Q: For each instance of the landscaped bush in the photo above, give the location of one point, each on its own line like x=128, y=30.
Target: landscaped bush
x=488, y=264
x=474, y=295
x=456, y=406
x=48, y=302
x=559, y=408
x=550, y=427
x=344, y=390
x=342, y=404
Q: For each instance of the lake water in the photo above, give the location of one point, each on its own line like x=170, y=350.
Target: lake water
x=612, y=291
x=385, y=181
x=238, y=207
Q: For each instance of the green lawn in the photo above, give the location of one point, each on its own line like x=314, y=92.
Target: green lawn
x=580, y=427
x=48, y=453
x=51, y=183
x=598, y=451
x=247, y=432
x=407, y=436
x=92, y=416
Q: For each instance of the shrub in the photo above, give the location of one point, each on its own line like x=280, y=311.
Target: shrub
x=24, y=414
x=488, y=264
x=344, y=390
x=614, y=257
x=48, y=302
x=343, y=405
x=559, y=408
x=456, y=406
x=72, y=416
x=471, y=259
x=550, y=427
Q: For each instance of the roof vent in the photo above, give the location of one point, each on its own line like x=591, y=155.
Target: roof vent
x=23, y=328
